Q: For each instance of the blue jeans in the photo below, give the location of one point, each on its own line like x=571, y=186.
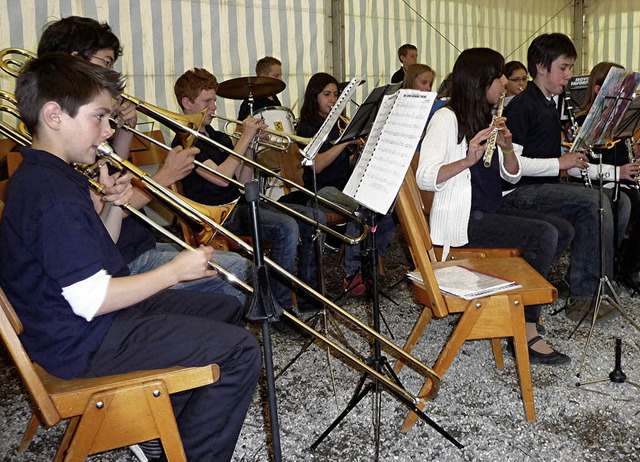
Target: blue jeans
x=580, y=206
x=384, y=229
x=540, y=238
x=232, y=262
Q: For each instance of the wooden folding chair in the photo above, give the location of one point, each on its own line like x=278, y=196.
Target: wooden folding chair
x=492, y=317
x=105, y=412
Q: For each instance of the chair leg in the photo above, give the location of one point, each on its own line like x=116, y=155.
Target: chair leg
x=165, y=422
x=72, y=426
x=522, y=363
x=414, y=336
x=29, y=433
x=496, y=348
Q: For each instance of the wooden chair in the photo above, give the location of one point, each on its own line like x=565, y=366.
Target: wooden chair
x=493, y=317
x=105, y=412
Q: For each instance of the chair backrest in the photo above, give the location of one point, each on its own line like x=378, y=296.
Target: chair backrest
x=144, y=152
x=416, y=232
x=10, y=329
x=291, y=166
x=426, y=196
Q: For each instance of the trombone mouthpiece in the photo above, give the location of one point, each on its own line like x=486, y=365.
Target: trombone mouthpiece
x=105, y=150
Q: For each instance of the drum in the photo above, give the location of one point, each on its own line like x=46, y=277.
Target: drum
x=280, y=119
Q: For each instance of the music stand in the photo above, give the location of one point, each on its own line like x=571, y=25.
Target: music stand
x=362, y=121
x=393, y=138
x=604, y=130
x=265, y=309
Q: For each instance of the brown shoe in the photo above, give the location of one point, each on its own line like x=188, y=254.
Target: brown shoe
x=576, y=310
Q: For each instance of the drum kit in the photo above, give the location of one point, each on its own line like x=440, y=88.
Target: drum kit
x=279, y=118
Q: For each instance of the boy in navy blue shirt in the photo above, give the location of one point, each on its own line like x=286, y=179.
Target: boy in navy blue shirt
x=83, y=314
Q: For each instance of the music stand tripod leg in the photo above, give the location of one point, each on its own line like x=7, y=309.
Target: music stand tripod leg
x=616, y=375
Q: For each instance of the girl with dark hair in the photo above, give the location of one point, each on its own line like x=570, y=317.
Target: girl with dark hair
x=516, y=74
x=333, y=166
x=467, y=207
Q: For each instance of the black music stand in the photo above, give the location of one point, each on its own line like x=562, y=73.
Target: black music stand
x=613, y=117
x=381, y=201
x=359, y=126
x=265, y=309
x=378, y=361
x=362, y=121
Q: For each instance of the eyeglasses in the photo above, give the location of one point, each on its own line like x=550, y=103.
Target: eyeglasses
x=518, y=79
x=107, y=62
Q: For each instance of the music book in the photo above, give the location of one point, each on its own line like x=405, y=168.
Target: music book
x=391, y=144
x=608, y=109
x=467, y=283
x=311, y=150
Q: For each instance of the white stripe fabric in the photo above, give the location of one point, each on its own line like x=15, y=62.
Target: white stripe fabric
x=163, y=38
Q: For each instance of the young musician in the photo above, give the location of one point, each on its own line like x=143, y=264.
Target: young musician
x=333, y=166
x=419, y=77
x=265, y=67
x=535, y=125
x=96, y=43
x=408, y=55
x=618, y=163
x=467, y=208
x=83, y=314
x=195, y=91
x=516, y=74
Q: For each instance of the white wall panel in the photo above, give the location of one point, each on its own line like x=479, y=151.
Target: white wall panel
x=163, y=38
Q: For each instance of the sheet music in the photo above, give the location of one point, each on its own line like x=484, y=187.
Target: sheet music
x=386, y=156
x=310, y=151
x=607, y=110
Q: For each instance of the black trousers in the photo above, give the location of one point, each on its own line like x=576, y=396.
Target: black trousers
x=187, y=328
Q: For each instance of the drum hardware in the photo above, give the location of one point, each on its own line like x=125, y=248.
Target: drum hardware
x=250, y=87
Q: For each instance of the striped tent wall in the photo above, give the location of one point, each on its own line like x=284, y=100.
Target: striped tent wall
x=163, y=38
x=613, y=32
x=441, y=30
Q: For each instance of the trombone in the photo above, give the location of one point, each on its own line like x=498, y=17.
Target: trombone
x=178, y=205
x=187, y=127
x=286, y=209
x=8, y=105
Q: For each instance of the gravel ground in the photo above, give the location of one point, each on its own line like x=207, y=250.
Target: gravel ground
x=477, y=404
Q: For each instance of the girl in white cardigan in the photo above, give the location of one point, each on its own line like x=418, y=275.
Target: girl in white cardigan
x=467, y=207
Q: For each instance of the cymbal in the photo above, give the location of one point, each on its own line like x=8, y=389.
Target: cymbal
x=243, y=87
x=343, y=85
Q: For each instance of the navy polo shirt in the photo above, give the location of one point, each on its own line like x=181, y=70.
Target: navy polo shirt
x=335, y=174
x=535, y=125
x=200, y=189
x=51, y=237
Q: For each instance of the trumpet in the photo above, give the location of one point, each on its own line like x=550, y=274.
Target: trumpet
x=493, y=139
x=272, y=143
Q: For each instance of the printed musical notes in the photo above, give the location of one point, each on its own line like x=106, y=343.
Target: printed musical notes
x=391, y=144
